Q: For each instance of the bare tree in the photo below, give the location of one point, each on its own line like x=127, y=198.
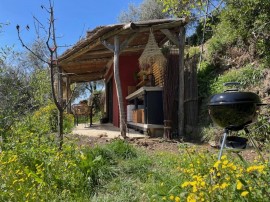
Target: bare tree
x=55, y=69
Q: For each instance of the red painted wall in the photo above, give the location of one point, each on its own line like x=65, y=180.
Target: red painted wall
x=128, y=65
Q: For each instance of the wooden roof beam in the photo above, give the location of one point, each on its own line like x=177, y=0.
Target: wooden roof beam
x=87, y=61
x=79, y=52
x=171, y=36
x=86, y=77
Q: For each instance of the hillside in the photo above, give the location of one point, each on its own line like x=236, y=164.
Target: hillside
x=236, y=48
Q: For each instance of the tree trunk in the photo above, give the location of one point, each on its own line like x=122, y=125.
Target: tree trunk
x=60, y=129
x=118, y=87
x=60, y=111
x=181, y=114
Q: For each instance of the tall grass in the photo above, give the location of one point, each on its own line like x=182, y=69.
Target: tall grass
x=30, y=171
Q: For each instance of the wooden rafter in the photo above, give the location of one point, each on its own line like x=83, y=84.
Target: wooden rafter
x=80, y=51
x=171, y=36
x=86, y=77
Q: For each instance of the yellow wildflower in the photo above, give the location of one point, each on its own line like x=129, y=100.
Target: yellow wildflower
x=259, y=168
x=164, y=198
x=191, y=198
x=214, y=187
x=185, y=184
x=177, y=199
x=224, y=185
x=244, y=193
x=193, y=183
x=194, y=189
x=203, y=183
x=212, y=170
x=239, y=185
x=172, y=197
x=225, y=162
x=223, y=157
x=216, y=165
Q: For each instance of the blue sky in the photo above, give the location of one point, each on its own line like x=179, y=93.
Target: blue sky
x=73, y=18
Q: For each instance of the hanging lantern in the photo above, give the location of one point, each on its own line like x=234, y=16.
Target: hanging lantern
x=151, y=54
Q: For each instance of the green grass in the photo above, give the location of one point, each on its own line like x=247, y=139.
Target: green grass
x=119, y=172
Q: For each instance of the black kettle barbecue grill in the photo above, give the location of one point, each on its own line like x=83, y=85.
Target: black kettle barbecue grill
x=233, y=110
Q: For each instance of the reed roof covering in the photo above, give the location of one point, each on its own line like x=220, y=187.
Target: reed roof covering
x=89, y=59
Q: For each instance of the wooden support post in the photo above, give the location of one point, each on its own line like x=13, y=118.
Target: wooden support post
x=116, y=49
x=68, y=95
x=91, y=115
x=118, y=86
x=181, y=107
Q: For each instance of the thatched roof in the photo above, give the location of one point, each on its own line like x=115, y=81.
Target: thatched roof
x=89, y=59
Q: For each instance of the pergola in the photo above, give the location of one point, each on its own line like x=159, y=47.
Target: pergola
x=91, y=58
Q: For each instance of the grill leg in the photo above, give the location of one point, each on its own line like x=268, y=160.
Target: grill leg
x=254, y=144
x=223, y=143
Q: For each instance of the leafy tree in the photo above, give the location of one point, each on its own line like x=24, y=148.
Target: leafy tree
x=184, y=7
x=131, y=15
x=243, y=24
x=203, y=33
x=24, y=86
x=147, y=10
x=87, y=88
x=16, y=95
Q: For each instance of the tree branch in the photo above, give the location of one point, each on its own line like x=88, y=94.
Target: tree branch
x=25, y=46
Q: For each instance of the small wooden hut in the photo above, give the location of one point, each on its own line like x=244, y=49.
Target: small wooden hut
x=119, y=47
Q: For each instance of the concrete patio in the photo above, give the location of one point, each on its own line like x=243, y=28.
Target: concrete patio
x=104, y=130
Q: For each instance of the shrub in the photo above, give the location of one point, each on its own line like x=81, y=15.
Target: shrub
x=43, y=121
x=68, y=122
x=247, y=76
x=261, y=129
x=31, y=171
x=122, y=149
x=202, y=178
x=206, y=75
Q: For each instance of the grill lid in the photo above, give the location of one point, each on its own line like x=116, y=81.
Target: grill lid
x=234, y=98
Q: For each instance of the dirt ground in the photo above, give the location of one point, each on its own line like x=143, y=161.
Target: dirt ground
x=152, y=145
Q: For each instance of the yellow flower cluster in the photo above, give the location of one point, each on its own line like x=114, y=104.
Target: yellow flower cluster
x=203, y=182
x=197, y=183
x=258, y=168
x=173, y=198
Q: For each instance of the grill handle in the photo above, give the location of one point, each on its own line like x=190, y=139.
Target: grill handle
x=232, y=84
x=235, y=84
